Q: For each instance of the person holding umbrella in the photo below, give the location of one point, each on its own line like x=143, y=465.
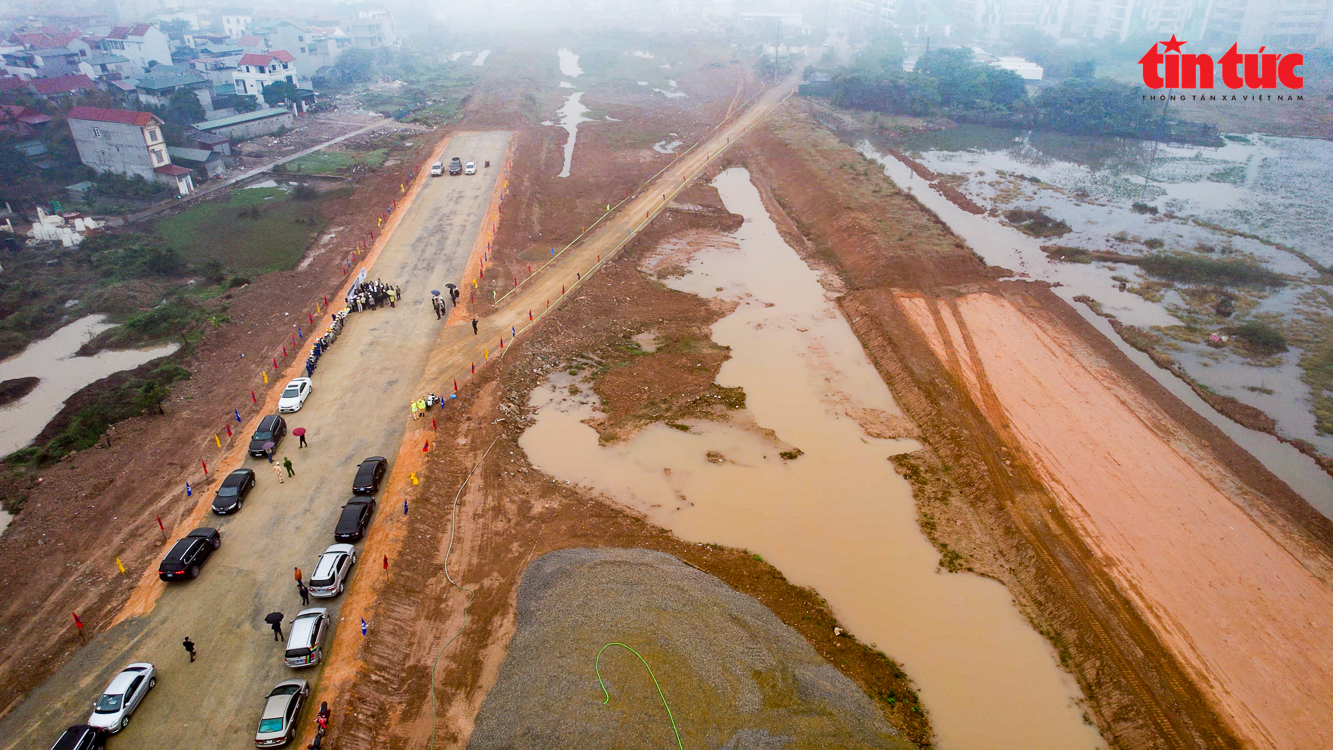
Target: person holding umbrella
x=268, y=450
x=300, y=432
x=275, y=620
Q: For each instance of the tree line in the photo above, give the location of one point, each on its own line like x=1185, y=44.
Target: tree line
x=949, y=83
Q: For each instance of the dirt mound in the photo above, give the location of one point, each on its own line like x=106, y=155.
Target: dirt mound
x=733, y=674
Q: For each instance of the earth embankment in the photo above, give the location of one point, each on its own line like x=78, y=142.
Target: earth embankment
x=733, y=674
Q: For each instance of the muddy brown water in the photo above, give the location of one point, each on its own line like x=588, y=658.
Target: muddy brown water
x=838, y=518
x=62, y=375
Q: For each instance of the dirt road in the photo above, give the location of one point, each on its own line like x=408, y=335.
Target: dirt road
x=362, y=389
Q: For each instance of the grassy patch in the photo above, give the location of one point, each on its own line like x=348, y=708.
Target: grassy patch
x=1036, y=223
x=255, y=230
x=1197, y=270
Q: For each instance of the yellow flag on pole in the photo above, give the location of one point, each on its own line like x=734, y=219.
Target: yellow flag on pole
x=120, y=565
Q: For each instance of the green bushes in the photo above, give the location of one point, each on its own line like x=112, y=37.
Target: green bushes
x=1261, y=338
x=1036, y=223
x=1197, y=270
x=129, y=256
x=120, y=186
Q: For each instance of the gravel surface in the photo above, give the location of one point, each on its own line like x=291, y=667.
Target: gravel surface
x=733, y=674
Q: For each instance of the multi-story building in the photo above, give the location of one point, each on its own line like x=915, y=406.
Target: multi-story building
x=105, y=66
x=255, y=71
x=126, y=143
x=141, y=45
x=997, y=17
x=869, y=16
x=371, y=29
x=235, y=20
x=157, y=85
x=1285, y=25
x=42, y=63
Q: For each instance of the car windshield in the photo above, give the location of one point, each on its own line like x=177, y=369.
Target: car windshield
x=271, y=725
x=229, y=490
x=109, y=704
x=263, y=435
x=292, y=391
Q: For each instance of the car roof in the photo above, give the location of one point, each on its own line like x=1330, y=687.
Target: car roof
x=298, y=381
x=365, y=461
x=360, y=500
x=237, y=476
x=300, y=684
x=327, y=562
x=269, y=421
x=303, y=627
x=340, y=547
x=276, y=706
x=203, y=532
x=121, y=682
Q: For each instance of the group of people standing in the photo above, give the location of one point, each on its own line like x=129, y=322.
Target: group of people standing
x=441, y=304
x=322, y=343
x=373, y=294
x=423, y=405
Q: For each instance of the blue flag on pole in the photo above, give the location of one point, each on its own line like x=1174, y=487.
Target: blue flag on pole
x=188, y=491
x=363, y=626
x=237, y=412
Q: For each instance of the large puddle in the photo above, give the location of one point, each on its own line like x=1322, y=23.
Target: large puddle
x=1003, y=246
x=62, y=375
x=838, y=518
x=570, y=116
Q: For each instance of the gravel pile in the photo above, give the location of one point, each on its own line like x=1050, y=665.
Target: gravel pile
x=733, y=674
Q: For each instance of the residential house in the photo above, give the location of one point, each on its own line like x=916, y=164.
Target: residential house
x=252, y=43
x=372, y=29
x=161, y=81
x=42, y=63
x=235, y=20
x=21, y=122
x=208, y=141
x=142, y=44
x=255, y=71
x=218, y=62
x=250, y=124
x=105, y=66
x=300, y=43
x=127, y=143
x=205, y=163
x=64, y=87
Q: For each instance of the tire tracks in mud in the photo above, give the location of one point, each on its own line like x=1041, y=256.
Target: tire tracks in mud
x=1139, y=692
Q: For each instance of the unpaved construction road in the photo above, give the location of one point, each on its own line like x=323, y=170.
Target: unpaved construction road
x=362, y=390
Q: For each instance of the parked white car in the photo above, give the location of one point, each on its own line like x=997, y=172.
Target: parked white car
x=471, y=168
x=330, y=576
x=294, y=395
x=111, y=712
x=437, y=169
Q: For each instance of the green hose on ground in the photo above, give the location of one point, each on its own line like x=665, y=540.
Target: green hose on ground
x=597, y=668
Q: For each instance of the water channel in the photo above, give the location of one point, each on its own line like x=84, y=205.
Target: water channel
x=62, y=375
x=838, y=518
x=1002, y=246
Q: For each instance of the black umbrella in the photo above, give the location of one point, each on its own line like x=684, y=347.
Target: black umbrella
x=451, y=286
x=273, y=618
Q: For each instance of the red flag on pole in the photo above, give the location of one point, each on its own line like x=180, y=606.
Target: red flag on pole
x=455, y=385
x=205, y=467
x=254, y=400
x=159, y=524
x=77, y=622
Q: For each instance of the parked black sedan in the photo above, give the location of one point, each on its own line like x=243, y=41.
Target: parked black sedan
x=81, y=737
x=189, y=554
x=355, y=519
x=270, y=430
x=368, y=475
x=232, y=491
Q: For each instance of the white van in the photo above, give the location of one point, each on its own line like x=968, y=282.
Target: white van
x=305, y=642
x=437, y=169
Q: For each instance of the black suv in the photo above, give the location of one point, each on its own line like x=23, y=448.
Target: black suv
x=80, y=737
x=186, y=557
x=271, y=430
x=232, y=491
x=368, y=475
x=455, y=166
x=354, y=519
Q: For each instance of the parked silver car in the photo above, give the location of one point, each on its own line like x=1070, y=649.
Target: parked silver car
x=305, y=642
x=282, y=709
x=330, y=576
x=111, y=712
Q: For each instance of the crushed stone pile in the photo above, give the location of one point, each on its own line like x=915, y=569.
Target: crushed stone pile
x=733, y=674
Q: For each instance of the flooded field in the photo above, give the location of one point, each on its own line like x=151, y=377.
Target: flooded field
x=1096, y=196
x=1258, y=200
x=62, y=375
x=803, y=478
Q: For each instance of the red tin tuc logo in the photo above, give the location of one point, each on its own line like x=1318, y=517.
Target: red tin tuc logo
x=1255, y=70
